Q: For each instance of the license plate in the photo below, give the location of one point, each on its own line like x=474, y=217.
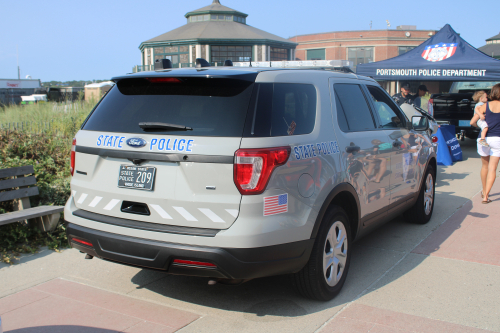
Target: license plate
x=136, y=177
x=464, y=123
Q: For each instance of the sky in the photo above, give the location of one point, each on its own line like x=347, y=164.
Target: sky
x=65, y=40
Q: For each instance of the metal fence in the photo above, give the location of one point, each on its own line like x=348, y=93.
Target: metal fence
x=28, y=126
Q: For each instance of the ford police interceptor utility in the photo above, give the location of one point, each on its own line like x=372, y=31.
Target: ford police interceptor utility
x=240, y=173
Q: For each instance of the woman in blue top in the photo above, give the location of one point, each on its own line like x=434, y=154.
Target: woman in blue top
x=490, y=155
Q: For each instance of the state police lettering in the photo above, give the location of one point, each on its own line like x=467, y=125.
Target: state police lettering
x=171, y=145
x=113, y=141
x=315, y=149
x=156, y=144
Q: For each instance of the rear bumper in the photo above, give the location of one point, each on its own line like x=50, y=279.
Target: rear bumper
x=231, y=263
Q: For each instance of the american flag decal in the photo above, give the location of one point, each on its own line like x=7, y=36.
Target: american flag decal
x=276, y=204
x=438, y=52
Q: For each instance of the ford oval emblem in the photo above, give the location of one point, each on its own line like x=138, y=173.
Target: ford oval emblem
x=136, y=142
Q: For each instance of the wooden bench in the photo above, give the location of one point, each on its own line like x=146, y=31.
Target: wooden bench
x=20, y=187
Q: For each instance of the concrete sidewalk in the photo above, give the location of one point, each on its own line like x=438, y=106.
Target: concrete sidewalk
x=438, y=287
x=440, y=277
x=65, y=306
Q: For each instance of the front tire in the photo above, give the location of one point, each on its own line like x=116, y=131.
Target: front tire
x=325, y=273
x=421, y=211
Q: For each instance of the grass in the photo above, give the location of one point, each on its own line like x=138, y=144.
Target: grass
x=42, y=138
x=63, y=119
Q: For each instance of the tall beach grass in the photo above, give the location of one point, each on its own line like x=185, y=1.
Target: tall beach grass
x=62, y=119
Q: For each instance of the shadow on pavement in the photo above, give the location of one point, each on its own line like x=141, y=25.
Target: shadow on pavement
x=61, y=328
x=268, y=299
x=27, y=257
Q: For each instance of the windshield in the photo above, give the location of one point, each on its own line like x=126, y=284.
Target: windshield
x=467, y=87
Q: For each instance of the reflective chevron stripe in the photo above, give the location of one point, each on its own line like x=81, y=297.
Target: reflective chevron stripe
x=233, y=212
x=111, y=204
x=95, y=201
x=82, y=198
x=160, y=211
x=211, y=215
x=185, y=214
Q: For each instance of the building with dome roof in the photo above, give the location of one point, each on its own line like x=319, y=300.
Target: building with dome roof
x=492, y=47
x=215, y=33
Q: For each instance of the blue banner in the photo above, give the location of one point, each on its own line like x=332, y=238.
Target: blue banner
x=452, y=142
x=443, y=57
x=443, y=152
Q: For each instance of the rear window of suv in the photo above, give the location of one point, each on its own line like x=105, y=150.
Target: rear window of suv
x=210, y=106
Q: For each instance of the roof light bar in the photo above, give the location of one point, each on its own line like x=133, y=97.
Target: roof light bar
x=294, y=64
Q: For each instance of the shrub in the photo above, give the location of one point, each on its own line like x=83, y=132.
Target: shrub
x=47, y=148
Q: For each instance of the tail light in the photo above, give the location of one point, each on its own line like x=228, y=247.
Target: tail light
x=164, y=80
x=253, y=167
x=434, y=139
x=82, y=242
x=194, y=263
x=73, y=153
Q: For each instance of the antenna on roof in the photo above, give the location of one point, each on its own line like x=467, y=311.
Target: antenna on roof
x=200, y=62
x=162, y=64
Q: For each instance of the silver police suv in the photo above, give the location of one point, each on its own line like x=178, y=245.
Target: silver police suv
x=239, y=173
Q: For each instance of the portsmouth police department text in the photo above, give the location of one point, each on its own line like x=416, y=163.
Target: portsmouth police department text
x=432, y=72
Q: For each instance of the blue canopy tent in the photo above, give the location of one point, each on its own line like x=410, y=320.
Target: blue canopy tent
x=444, y=57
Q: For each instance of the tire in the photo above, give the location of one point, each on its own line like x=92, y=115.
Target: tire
x=421, y=211
x=317, y=280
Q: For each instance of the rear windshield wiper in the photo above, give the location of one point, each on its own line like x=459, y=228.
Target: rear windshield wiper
x=163, y=126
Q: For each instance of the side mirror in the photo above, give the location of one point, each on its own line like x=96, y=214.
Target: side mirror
x=420, y=123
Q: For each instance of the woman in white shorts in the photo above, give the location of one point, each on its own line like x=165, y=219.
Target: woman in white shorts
x=490, y=156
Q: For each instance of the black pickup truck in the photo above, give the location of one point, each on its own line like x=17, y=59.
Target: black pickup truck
x=457, y=107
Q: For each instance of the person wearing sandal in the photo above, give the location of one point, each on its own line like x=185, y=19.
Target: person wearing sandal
x=490, y=155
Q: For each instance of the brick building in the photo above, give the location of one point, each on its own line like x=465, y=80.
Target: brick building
x=360, y=46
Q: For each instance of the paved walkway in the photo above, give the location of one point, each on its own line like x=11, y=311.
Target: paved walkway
x=470, y=235
x=440, y=277
x=64, y=306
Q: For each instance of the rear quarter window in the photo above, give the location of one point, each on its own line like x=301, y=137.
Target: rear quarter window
x=281, y=109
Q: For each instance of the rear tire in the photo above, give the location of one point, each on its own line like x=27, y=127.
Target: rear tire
x=324, y=274
x=421, y=211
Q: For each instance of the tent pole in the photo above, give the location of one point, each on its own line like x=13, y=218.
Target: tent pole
x=397, y=87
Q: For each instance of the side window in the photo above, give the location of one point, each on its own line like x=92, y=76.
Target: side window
x=353, y=113
x=388, y=113
x=281, y=109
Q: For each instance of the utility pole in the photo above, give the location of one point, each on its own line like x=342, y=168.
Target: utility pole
x=18, y=69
